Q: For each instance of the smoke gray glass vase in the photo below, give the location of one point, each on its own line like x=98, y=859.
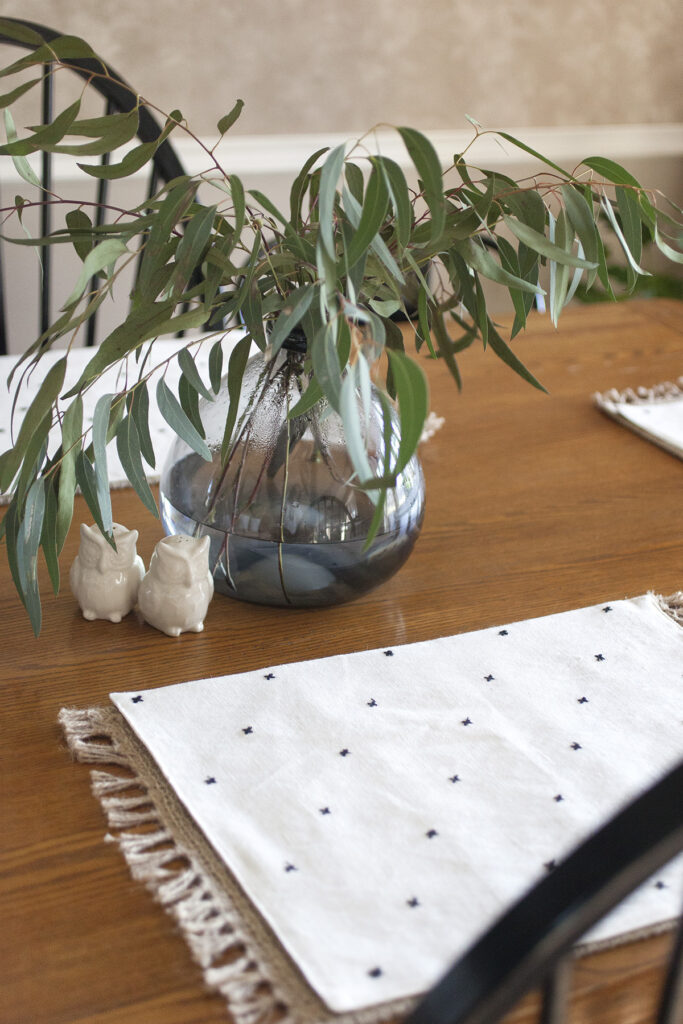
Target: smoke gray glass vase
x=286, y=523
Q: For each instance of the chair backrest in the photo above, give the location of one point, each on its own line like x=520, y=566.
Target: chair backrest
x=117, y=97
x=529, y=946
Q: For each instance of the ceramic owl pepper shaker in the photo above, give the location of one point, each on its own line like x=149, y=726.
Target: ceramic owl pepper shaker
x=175, y=593
x=105, y=581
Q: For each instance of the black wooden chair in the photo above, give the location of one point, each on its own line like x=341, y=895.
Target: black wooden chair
x=118, y=97
x=530, y=946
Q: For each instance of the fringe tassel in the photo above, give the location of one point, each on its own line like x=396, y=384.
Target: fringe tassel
x=664, y=392
x=211, y=927
x=672, y=605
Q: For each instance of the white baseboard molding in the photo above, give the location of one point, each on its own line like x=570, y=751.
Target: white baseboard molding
x=257, y=155
x=280, y=154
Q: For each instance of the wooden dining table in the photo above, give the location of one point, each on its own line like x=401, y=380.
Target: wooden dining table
x=536, y=503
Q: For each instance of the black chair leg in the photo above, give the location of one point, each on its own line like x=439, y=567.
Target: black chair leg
x=671, y=1006
x=556, y=990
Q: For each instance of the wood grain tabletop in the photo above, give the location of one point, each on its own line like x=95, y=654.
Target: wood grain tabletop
x=536, y=503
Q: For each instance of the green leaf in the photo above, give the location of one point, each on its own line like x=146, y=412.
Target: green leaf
x=326, y=363
x=378, y=245
x=133, y=161
x=139, y=410
x=37, y=411
x=28, y=542
x=607, y=207
x=299, y=186
x=100, y=425
x=189, y=369
x=534, y=153
x=581, y=216
x=426, y=162
x=128, y=447
x=21, y=164
x=413, y=405
x=400, y=197
x=228, y=121
x=355, y=181
x=192, y=246
x=87, y=481
x=476, y=256
x=170, y=409
x=445, y=347
x=171, y=211
x=329, y=177
x=311, y=396
x=80, y=227
x=103, y=255
x=611, y=170
x=373, y=212
x=43, y=137
x=348, y=409
x=116, y=130
x=236, y=365
x=8, y=98
x=505, y=353
x=189, y=403
x=216, y=365
x=72, y=429
x=629, y=210
x=559, y=271
x=22, y=33
x=239, y=202
x=539, y=243
x=669, y=252
x=291, y=315
x=48, y=538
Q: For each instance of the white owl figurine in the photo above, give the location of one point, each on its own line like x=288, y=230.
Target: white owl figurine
x=175, y=593
x=105, y=582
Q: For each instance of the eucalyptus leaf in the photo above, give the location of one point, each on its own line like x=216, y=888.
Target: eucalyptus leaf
x=100, y=425
x=329, y=177
x=86, y=478
x=27, y=544
x=103, y=255
x=139, y=410
x=190, y=371
x=228, y=121
x=236, y=366
x=426, y=162
x=72, y=429
x=48, y=537
x=22, y=166
x=128, y=447
x=170, y=409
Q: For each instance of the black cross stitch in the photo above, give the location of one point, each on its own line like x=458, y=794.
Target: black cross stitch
x=582, y=700
x=432, y=832
x=576, y=746
x=388, y=654
x=372, y=703
x=660, y=885
x=376, y=972
x=467, y=721
x=607, y=608
x=270, y=675
x=599, y=657
x=489, y=678
x=344, y=752
x=558, y=799
x=248, y=731
x=413, y=902
x=454, y=778
x=136, y=700
x=325, y=810
x=290, y=867
x=209, y=780
x=502, y=632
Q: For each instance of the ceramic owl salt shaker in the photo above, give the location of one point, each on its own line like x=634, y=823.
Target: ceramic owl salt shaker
x=175, y=593
x=105, y=581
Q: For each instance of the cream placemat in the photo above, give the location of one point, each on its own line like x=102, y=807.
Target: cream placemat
x=654, y=413
x=376, y=811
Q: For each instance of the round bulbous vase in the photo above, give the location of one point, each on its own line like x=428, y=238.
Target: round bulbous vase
x=286, y=522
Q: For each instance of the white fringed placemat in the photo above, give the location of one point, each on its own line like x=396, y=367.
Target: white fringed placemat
x=654, y=413
x=351, y=824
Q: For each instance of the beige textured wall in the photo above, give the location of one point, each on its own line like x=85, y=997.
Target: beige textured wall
x=344, y=65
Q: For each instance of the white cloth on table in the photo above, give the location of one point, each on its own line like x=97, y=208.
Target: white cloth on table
x=381, y=808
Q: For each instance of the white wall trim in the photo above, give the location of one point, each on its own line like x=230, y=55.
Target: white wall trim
x=278, y=154
x=248, y=155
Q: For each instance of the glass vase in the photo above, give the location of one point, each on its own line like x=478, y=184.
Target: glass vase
x=286, y=522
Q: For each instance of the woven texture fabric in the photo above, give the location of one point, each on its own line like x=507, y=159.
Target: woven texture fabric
x=654, y=413
x=379, y=809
